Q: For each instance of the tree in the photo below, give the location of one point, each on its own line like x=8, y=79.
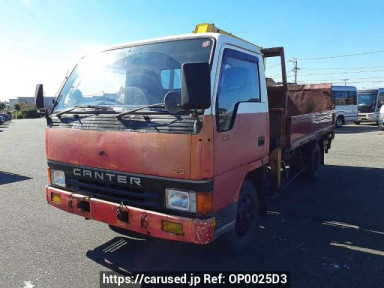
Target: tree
x=25, y=110
x=2, y=106
x=17, y=107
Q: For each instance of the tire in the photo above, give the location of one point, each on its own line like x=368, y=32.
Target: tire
x=357, y=122
x=380, y=125
x=247, y=219
x=339, y=122
x=312, y=160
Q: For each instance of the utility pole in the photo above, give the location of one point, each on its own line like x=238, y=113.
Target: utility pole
x=295, y=68
x=345, y=81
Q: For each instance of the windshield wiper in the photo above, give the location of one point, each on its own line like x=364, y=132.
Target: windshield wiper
x=158, y=105
x=84, y=106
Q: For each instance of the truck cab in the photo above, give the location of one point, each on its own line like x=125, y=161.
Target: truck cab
x=171, y=137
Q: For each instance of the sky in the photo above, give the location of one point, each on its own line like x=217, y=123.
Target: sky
x=41, y=40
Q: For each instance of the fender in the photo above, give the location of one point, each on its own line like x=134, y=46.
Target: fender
x=251, y=167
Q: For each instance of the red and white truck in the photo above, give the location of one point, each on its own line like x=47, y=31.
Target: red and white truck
x=174, y=137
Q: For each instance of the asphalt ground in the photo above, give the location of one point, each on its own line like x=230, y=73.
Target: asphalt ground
x=327, y=234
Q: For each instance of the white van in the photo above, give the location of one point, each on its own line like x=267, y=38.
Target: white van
x=345, y=100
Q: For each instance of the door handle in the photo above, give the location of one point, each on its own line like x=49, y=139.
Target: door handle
x=261, y=141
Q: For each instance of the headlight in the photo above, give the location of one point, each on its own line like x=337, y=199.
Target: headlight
x=180, y=200
x=58, y=177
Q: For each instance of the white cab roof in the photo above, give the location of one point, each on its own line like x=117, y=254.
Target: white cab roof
x=221, y=39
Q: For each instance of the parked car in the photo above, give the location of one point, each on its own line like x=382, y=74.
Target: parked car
x=5, y=116
x=2, y=119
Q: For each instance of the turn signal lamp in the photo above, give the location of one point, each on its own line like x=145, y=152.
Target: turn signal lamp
x=172, y=227
x=56, y=198
x=49, y=176
x=204, y=203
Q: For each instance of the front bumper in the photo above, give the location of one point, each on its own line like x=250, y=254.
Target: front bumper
x=199, y=231
x=367, y=117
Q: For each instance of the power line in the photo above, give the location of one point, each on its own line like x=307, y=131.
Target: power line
x=343, y=68
x=272, y=66
x=340, y=56
x=366, y=82
x=342, y=81
x=278, y=75
x=333, y=73
x=330, y=80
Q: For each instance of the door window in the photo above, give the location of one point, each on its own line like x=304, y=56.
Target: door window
x=238, y=82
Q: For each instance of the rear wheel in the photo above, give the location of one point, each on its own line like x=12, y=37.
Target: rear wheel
x=357, y=122
x=313, y=161
x=339, y=122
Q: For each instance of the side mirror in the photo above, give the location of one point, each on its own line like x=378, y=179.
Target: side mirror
x=195, y=86
x=39, y=97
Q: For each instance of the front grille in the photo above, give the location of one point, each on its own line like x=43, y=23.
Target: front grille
x=157, y=123
x=365, y=109
x=137, y=197
x=121, y=187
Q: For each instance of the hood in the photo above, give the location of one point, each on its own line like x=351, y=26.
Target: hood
x=157, y=154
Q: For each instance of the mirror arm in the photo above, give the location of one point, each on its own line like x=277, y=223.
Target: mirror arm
x=197, y=125
x=195, y=115
x=44, y=112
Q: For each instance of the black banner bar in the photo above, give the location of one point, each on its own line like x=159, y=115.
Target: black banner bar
x=190, y=279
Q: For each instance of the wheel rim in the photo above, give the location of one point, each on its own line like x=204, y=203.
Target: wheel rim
x=245, y=216
x=339, y=122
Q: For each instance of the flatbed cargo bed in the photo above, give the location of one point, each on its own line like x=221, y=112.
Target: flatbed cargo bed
x=307, y=127
x=305, y=113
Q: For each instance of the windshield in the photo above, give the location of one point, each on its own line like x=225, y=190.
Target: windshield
x=367, y=99
x=133, y=76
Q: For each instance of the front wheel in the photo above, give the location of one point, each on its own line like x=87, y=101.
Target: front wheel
x=357, y=122
x=247, y=216
x=339, y=122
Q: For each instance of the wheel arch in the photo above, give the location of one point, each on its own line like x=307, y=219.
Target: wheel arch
x=251, y=172
x=255, y=174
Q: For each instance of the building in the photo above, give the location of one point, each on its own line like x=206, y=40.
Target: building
x=48, y=101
